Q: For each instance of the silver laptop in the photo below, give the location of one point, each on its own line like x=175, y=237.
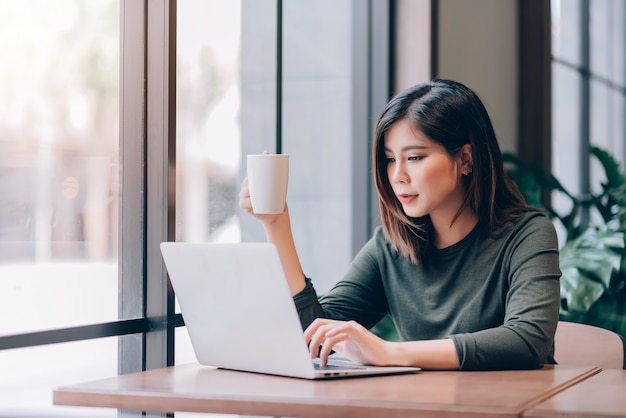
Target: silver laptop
x=239, y=312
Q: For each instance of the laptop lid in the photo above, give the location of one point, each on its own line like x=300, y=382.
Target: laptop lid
x=239, y=311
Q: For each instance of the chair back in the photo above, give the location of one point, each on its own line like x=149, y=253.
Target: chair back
x=581, y=344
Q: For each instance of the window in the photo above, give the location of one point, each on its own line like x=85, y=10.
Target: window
x=59, y=164
x=208, y=133
x=97, y=133
x=316, y=123
x=589, y=88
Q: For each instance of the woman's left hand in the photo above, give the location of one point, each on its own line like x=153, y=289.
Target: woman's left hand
x=348, y=338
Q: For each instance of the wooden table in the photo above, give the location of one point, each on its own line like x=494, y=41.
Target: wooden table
x=602, y=395
x=196, y=388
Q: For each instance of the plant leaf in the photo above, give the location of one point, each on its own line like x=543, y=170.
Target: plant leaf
x=614, y=176
x=579, y=290
x=587, y=264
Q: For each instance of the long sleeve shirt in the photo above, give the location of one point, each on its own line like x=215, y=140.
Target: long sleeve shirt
x=494, y=293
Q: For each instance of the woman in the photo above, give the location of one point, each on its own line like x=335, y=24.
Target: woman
x=467, y=271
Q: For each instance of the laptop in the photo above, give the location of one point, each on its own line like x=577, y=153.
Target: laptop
x=240, y=314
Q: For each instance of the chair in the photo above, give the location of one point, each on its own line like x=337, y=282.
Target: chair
x=580, y=344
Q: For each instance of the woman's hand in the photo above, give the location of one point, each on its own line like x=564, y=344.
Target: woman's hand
x=347, y=338
x=246, y=204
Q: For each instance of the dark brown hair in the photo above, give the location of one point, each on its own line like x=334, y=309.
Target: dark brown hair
x=452, y=115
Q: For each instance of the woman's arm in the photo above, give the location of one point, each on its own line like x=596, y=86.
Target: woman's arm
x=428, y=354
x=355, y=342
x=278, y=232
x=525, y=339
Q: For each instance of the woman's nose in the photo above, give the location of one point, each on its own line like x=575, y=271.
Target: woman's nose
x=398, y=174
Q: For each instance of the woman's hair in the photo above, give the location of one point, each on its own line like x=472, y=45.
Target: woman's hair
x=452, y=115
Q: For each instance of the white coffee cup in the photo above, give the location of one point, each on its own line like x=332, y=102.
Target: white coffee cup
x=268, y=176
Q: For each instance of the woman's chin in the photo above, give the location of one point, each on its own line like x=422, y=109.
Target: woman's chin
x=412, y=213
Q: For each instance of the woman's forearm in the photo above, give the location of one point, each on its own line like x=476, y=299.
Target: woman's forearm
x=428, y=354
x=279, y=233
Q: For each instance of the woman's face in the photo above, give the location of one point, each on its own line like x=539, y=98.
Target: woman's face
x=424, y=177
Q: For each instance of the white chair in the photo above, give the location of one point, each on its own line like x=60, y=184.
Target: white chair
x=580, y=344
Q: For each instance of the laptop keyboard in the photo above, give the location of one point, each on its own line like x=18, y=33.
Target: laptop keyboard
x=336, y=367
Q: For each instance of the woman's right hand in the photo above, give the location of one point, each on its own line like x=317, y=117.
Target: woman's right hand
x=246, y=204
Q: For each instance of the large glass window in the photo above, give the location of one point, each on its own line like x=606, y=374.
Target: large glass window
x=589, y=110
x=208, y=133
x=86, y=148
x=318, y=81
x=208, y=120
x=59, y=122
x=58, y=163
x=232, y=59
x=317, y=133
x=589, y=93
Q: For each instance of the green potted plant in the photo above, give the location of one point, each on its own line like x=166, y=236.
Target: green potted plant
x=593, y=256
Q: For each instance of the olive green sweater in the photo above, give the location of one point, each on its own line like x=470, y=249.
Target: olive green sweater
x=495, y=294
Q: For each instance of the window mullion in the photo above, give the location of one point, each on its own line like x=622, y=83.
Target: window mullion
x=585, y=111
x=132, y=176
x=160, y=176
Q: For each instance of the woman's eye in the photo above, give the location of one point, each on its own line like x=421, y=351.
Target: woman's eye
x=390, y=160
x=415, y=158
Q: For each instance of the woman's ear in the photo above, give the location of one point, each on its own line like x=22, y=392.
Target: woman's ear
x=467, y=162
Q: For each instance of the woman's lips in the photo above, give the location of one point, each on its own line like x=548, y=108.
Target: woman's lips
x=407, y=198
